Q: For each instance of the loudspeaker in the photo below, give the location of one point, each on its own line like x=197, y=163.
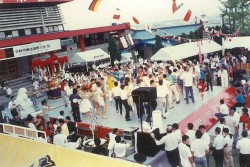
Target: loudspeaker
x=144, y=94
x=146, y=144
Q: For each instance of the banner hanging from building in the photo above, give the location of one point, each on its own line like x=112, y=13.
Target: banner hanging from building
x=21, y=152
x=36, y=48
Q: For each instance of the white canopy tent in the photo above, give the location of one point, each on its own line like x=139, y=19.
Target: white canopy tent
x=89, y=56
x=237, y=42
x=186, y=50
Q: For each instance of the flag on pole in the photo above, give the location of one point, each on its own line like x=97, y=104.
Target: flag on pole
x=188, y=15
x=148, y=28
x=237, y=32
x=200, y=55
x=165, y=35
x=94, y=5
x=136, y=21
x=174, y=6
x=180, y=6
x=117, y=14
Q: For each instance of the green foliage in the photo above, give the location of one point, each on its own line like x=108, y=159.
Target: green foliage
x=113, y=50
x=236, y=13
x=158, y=44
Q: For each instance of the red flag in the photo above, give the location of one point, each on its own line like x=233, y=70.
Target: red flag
x=117, y=14
x=188, y=15
x=174, y=6
x=94, y=5
x=135, y=20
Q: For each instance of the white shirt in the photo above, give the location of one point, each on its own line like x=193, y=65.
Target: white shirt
x=191, y=135
x=177, y=132
x=170, y=140
x=31, y=126
x=111, y=141
x=185, y=153
x=231, y=123
x=229, y=141
x=188, y=78
x=244, y=146
x=244, y=59
x=65, y=129
x=36, y=85
x=206, y=138
x=199, y=147
x=219, y=142
x=116, y=91
x=120, y=149
x=60, y=139
x=124, y=94
x=161, y=91
x=9, y=91
x=224, y=109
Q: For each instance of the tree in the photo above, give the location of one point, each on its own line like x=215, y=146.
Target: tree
x=158, y=44
x=235, y=14
x=113, y=51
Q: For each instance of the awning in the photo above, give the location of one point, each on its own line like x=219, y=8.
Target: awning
x=237, y=42
x=185, y=50
x=89, y=56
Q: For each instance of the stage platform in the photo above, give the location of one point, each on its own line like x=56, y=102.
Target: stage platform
x=115, y=120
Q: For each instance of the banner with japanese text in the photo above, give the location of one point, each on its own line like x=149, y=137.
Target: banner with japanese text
x=36, y=48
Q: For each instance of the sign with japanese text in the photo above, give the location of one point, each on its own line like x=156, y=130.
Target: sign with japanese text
x=36, y=48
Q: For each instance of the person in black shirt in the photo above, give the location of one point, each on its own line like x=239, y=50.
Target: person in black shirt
x=99, y=149
x=72, y=129
x=209, y=77
x=74, y=98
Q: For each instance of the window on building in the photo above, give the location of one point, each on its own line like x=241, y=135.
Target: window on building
x=2, y=35
x=15, y=33
x=33, y=31
x=60, y=27
x=28, y=31
x=8, y=34
x=46, y=29
x=51, y=29
x=56, y=28
x=21, y=32
x=38, y=30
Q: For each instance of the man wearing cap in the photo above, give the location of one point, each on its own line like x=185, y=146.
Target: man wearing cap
x=244, y=146
x=171, y=146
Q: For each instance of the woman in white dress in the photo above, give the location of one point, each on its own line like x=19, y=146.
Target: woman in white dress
x=224, y=78
x=100, y=95
x=85, y=107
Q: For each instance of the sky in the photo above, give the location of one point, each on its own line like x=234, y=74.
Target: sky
x=77, y=15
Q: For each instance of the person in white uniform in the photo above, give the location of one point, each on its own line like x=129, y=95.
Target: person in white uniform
x=185, y=152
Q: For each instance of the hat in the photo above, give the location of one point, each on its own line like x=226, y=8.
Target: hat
x=30, y=117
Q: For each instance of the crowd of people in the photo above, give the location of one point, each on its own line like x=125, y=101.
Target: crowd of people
x=92, y=92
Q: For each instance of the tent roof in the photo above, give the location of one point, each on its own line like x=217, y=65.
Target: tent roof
x=90, y=55
x=237, y=42
x=171, y=31
x=185, y=50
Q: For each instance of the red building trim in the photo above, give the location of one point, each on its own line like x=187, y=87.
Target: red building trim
x=33, y=1
x=58, y=35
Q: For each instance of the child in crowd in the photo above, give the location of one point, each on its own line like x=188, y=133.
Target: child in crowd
x=201, y=86
x=61, y=115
